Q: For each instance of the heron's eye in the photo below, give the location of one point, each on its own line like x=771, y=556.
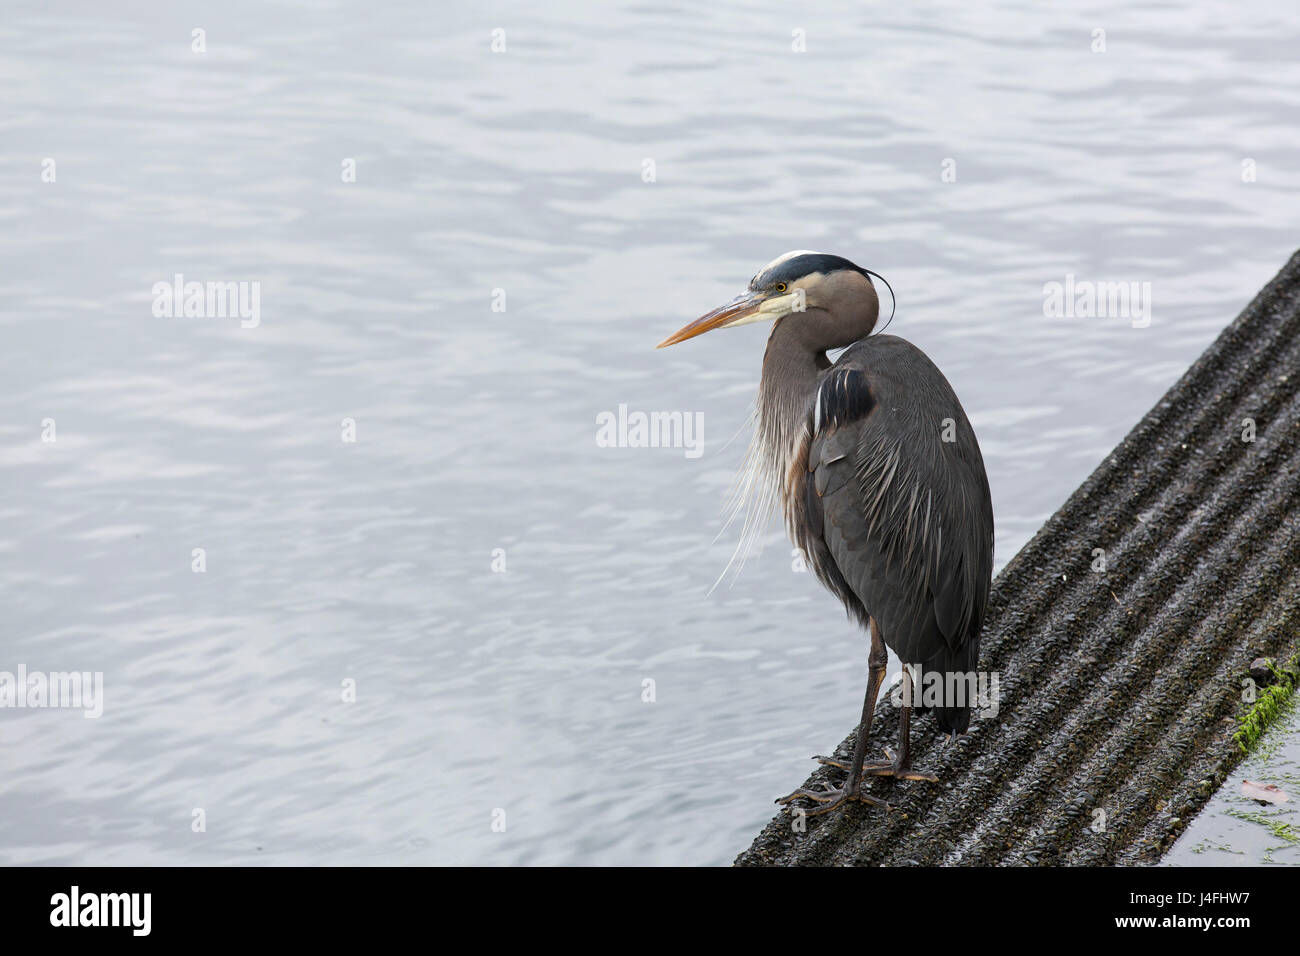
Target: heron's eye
x=780, y=287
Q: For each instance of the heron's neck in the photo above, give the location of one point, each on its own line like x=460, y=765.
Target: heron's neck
x=791, y=368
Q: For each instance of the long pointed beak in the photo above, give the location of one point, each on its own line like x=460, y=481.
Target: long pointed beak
x=738, y=308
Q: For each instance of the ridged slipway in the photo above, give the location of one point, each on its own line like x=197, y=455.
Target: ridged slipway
x=1119, y=690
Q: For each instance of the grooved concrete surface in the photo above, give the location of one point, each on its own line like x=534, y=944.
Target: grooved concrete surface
x=1118, y=689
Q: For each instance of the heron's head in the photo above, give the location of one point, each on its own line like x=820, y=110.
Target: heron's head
x=826, y=300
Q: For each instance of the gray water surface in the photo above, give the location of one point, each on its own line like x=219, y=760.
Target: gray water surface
x=523, y=170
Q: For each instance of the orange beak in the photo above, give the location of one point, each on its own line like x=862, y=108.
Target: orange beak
x=738, y=308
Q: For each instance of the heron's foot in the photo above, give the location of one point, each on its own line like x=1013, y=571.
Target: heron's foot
x=883, y=768
x=903, y=773
x=867, y=767
x=830, y=799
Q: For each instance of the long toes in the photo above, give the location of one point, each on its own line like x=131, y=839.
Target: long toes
x=893, y=770
x=821, y=796
x=832, y=762
x=826, y=808
x=917, y=775
x=877, y=767
x=829, y=800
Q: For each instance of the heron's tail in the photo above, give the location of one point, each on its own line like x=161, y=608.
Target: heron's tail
x=951, y=685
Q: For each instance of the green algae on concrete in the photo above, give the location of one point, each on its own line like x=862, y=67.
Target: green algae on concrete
x=1257, y=717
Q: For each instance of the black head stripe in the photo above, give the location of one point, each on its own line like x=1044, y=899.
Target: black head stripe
x=800, y=266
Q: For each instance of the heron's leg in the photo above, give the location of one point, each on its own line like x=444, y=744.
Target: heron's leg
x=852, y=790
x=877, y=662
x=902, y=764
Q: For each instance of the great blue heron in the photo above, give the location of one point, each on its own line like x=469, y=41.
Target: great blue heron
x=882, y=484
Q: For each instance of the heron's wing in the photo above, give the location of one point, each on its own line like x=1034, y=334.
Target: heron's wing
x=899, y=518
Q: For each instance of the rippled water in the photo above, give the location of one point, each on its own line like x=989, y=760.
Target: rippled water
x=372, y=561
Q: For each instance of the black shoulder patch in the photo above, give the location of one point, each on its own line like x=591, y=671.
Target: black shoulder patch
x=843, y=396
